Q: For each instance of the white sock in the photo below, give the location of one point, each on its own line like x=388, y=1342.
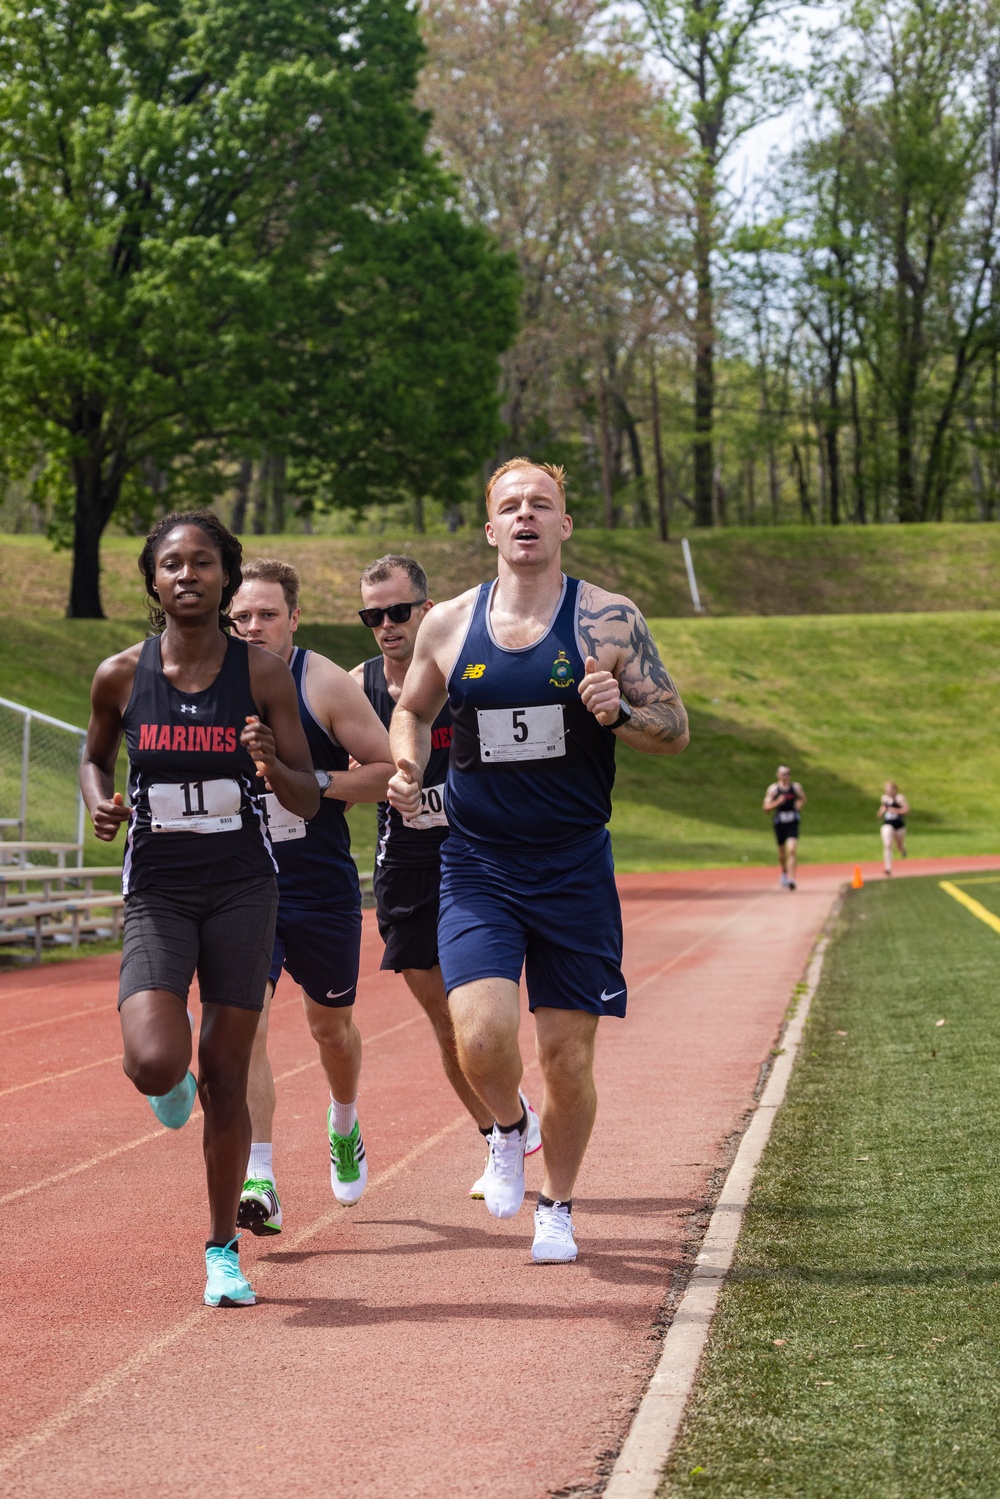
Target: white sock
x=345, y=1116
x=261, y=1167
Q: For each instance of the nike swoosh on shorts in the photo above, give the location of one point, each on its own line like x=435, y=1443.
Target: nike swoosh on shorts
x=606, y=997
x=330, y=994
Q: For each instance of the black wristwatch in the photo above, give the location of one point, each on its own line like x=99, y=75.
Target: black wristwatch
x=323, y=780
x=624, y=715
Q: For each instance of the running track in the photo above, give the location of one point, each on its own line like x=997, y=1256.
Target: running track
x=407, y=1349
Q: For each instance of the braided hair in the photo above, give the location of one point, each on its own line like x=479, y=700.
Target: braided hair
x=226, y=544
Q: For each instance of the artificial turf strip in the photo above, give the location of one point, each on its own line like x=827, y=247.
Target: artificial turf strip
x=855, y=1351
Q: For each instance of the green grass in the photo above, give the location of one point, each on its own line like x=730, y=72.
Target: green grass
x=782, y=570
x=854, y=1350
x=848, y=702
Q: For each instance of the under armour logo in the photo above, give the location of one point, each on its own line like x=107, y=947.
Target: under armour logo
x=189, y=708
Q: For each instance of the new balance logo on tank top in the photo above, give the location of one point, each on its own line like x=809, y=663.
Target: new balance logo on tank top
x=530, y=766
x=194, y=819
x=417, y=841
x=314, y=857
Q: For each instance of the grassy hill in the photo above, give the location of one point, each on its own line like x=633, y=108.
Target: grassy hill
x=785, y=570
x=848, y=702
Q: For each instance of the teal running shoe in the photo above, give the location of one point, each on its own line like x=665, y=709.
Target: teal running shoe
x=173, y=1109
x=348, y=1163
x=259, y=1210
x=226, y=1285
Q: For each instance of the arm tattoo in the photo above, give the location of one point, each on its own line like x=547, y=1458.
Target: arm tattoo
x=644, y=680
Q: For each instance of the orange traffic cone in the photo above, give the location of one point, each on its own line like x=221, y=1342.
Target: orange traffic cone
x=857, y=883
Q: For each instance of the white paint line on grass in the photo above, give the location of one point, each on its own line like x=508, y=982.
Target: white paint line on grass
x=637, y=1473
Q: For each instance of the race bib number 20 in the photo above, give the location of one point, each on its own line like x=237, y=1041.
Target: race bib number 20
x=432, y=813
x=511, y=734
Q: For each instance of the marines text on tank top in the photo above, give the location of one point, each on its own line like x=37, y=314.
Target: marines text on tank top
x=415, y=841
x=785, y=810
x=530, y=766
x=195, y=820
x=314, y=857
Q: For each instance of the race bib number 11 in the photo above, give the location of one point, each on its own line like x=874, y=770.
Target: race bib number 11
x=510, y=734
x=195, y=806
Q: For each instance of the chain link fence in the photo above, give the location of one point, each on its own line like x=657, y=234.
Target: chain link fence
x=40, y=800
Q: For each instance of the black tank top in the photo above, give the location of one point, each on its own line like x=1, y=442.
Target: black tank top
x=785, y=810
x=418, y=842
x=314, y=858
x=195, y=819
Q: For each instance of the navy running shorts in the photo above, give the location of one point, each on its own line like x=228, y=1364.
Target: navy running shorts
x=555, y=914
x=321, y=948
x=406, y=905
x=224, y=931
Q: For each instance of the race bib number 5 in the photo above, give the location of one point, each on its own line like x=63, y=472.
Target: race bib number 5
x=509, y=734
x=432, y=813
x=195, y=807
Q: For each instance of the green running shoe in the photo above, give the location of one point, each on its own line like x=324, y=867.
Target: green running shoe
x=226, y=1285
x=348, y=1164
x=259, y=1210
x=173, y=1109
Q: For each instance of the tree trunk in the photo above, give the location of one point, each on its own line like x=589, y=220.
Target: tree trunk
x=261, y=496
x=860, y=518
x=662, y=509
x=97, y=491
x=243, y=482
x=704, y=356
x=805, y=504
x=419, y=523
x=605, y=437
x=279, y=492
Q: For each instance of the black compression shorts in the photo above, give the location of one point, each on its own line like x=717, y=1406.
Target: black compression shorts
x=406, y=905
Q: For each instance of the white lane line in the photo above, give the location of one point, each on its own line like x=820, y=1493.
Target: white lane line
x=109, y=1155
x=639, y=1468
x=698, y=942
x=100, y=1390
x=33, y=1025
x=55, y=1077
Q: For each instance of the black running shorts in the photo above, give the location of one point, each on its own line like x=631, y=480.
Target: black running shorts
x=406, y=905
x=785, y=830
x=224, y=931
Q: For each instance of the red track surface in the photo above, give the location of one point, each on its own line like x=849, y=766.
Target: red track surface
x=407, y=1347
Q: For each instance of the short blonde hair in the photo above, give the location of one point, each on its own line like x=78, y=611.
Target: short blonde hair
x=555, y=471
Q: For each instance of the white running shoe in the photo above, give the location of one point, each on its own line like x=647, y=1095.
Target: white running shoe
x=503, y=1180
x=478, y=1188
x=534, y=1140
x=554, y=1242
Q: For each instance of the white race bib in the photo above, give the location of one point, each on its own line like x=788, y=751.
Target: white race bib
x=195, y=807
x=787, y=816
x=507, y=734
x=432, y=813
x=281, y=824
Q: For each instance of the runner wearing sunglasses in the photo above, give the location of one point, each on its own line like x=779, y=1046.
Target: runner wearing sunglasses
x=408, y=858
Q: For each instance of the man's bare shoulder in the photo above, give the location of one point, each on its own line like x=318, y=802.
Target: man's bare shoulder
x=446, y=620
x=358, y=673
x=611, y=614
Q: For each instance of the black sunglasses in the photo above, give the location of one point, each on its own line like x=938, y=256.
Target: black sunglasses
x=398, y=613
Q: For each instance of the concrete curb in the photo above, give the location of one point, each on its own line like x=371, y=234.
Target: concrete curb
x=637, y=1472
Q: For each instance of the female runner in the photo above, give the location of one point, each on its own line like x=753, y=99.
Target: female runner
x=199, y=710
x=892, y=810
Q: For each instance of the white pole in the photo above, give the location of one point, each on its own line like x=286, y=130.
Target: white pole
x=692, y=581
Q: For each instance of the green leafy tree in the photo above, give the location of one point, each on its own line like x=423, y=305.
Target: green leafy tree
x=173, y=179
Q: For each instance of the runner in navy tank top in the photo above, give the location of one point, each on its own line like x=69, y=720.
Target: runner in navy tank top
x=892, y=810
x=407, y=878
x=543, y=673
x=318, y=936
x=201, y=715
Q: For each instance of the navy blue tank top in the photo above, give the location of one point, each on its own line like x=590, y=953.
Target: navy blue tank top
x=314, y=858
x=195, y=820
x=415, y=842
x=530, y=766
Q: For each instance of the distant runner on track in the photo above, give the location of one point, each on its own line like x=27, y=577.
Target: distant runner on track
x=892, y=813
x=542, y=672
x=318, y=935
x=201, y=714
x=407, y=879
x=784, y=799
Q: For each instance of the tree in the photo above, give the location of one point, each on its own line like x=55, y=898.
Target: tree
x=723, y=56
x=172, y=180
